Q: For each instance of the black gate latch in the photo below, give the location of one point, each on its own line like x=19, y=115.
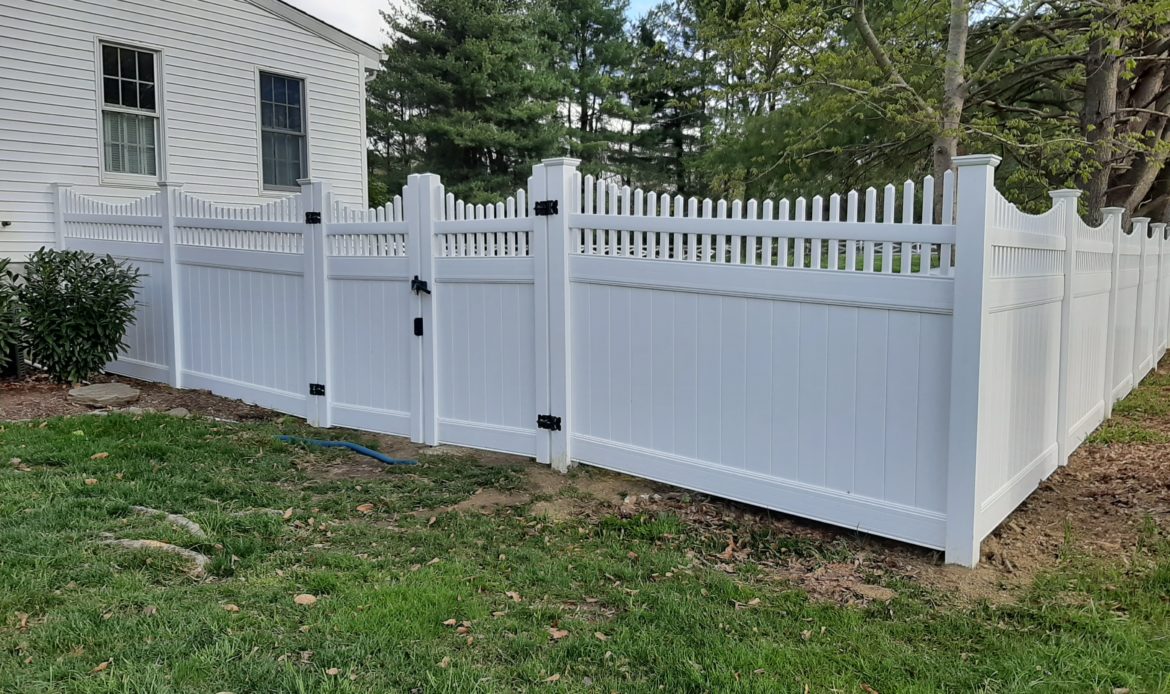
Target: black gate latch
x=417, y=285
x=548, y=421
x=544, y=208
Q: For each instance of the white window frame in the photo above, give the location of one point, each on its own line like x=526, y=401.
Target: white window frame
x=306, y=159
x=113, y=178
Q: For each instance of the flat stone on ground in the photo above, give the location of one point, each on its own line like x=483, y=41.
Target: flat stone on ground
x=104, y=395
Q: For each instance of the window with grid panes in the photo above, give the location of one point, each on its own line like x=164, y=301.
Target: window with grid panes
x=129, y=110
x=282, y=130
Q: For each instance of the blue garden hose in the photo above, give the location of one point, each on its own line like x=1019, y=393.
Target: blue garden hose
x=346, y=444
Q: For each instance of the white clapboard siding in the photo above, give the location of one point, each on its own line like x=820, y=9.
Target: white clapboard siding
x=210, y=55
x=851, y=358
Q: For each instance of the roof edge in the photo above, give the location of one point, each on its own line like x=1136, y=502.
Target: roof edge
x=321, y=28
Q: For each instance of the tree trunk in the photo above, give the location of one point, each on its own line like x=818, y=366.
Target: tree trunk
x=946, y=139
x=1099, y=118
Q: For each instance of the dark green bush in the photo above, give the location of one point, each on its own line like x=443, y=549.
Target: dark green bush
x=76, y=308
x=9, y=314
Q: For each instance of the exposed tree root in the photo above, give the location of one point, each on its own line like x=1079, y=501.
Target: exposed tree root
x=174, y=519
x=198, y=561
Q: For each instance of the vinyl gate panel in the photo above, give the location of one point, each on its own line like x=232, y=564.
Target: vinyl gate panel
x=485, y=350
x=371, y=352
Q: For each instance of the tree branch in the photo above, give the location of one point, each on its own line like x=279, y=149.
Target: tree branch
x=879, y=54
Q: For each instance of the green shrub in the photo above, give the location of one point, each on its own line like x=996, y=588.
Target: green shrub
x=76, y=309
x=9, y=314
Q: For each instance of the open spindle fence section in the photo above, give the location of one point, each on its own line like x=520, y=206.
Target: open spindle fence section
x=499, y=229
x=909, y=361
x=852, y=232
x=377, y=232
x=275, y=227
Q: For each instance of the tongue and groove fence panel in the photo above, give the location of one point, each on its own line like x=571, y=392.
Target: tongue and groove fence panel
x=871, y=359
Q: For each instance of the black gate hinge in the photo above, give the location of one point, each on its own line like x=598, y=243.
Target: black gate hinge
x=312, y=218
x=316, y=389
x=418, y=326
x=545, y=208
x=548, y=421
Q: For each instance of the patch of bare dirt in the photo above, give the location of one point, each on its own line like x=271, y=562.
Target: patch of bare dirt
x=485, y=501
x=37, y=397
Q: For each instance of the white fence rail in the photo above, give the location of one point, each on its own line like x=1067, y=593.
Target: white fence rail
x=846, y=358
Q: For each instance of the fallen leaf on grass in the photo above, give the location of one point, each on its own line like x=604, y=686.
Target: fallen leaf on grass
x=287, y=514
x=514, y=595
x=22, y=620
x=445, y=662
x=555, y=633
x=806, y=634
x=333, y=671
x=89, y=482
x=366, y=508
x=99, y=456
x=231, y=608
x=553, y=678
x=600, y=636
x=150, y=610
x=103, y=666
x=868, y=689
x=305, y=599
x=450, y=622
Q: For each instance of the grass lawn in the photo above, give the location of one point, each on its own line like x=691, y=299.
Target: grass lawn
x=600, y=604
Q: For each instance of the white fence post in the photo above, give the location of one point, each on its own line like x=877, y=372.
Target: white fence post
x=314, y=202
x=1160, y=300
x=60, y=201
x=1066, y=199
x=969, y=359
x=171, y=305
x=553, y=180
x=423, y=199
x=1141, y=228
x=1113, y=215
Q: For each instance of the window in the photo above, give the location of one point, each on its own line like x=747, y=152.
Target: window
x=282, y=130
x=129, y=110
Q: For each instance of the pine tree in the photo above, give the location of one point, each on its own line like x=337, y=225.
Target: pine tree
x=594, y=58
x=466, y=91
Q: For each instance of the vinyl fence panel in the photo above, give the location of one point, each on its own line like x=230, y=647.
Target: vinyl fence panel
x=852, y=357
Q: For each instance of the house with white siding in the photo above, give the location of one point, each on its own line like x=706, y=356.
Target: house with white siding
x=234, y=99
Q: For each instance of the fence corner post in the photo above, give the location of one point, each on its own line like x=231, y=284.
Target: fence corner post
x=60, y=203
x=969, y=358
x=1066, y=200
x=1113, y=216
x=554, y=180
x=1141, y=228
x=314, y=197
x=422, y=198
x=169, y=194
x=1160, y=339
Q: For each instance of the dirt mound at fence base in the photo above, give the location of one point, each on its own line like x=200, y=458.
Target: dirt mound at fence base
x=36, y=397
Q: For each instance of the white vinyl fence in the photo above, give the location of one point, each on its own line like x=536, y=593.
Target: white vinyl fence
x=849, y=359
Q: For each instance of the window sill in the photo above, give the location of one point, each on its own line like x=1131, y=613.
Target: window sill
x=128, y=181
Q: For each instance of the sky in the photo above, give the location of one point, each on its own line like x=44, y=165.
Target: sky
x=361, y=18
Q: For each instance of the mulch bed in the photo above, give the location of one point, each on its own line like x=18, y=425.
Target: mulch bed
x=37, y=397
